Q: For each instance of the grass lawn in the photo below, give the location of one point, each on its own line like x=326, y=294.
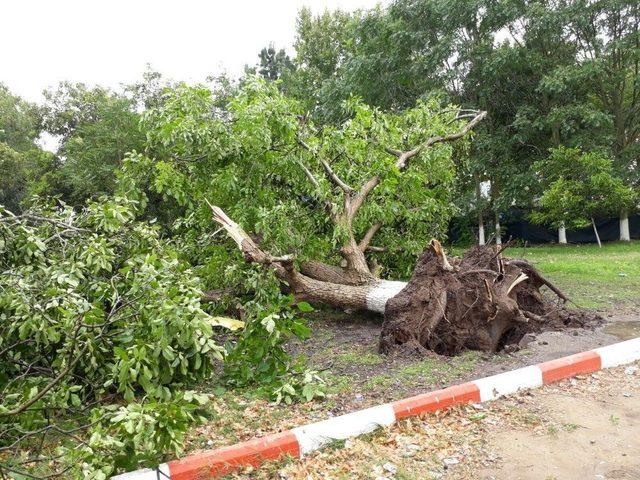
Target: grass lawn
x=603, y=278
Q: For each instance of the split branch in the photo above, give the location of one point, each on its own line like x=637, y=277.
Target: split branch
x=252, y=253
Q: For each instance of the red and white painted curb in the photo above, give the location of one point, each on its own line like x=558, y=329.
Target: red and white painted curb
x=300, y=441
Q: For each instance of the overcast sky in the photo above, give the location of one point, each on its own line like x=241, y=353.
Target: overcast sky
x=110, y=42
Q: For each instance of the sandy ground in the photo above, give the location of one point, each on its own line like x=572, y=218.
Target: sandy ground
x=600, y=438
x=582, y=428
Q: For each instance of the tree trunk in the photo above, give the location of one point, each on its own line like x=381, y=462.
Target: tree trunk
x=498, y=232
x=371, y=296
x=562, y=235
x=348, y=288
x=595, y=230
x=481, y=240
x=624, y=227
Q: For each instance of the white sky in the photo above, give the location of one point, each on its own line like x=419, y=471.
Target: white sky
x=110, y=42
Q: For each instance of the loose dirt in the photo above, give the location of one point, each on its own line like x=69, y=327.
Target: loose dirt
x=598, y=438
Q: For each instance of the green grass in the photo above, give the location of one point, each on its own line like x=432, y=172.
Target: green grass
x=592, y=277
x=378, y=381
x=358, y=357
x=432, y=370
x=427, y=371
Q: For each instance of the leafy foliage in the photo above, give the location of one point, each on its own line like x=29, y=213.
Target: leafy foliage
x=259, y=358
x=250, y=158
x=579, y=187
x=96, y=127
x=92, y=304
x=273, y=64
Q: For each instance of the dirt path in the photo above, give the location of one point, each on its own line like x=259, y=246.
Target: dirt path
x=598, y=435
x=583, y=428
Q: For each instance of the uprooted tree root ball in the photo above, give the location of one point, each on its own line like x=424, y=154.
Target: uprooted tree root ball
x=481, y=301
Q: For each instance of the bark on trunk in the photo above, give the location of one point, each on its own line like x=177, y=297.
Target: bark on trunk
x=562, y=235
x=330, y=273
x=624, y=227
x=370, y=296
x=595, y=230
x=498, y=230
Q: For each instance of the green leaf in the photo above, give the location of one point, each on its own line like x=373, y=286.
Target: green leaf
x=304, y=307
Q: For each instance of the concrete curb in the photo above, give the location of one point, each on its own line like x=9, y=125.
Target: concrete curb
x=300, y=441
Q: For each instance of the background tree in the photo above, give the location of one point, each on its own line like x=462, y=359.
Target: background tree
x=25, y=166
x=96, y=128
x=605, y=72
x=273, y=64
x=579, y=188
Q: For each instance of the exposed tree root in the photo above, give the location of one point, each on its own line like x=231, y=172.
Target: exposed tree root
x=481, y=302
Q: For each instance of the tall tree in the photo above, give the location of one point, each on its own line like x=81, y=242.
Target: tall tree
x=19, y=121
x=579, y=187
x=25, y=167
x=606, y=70
x=96, y=128
x=273, y=64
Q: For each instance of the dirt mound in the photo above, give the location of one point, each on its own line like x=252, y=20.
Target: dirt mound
x=481, y=301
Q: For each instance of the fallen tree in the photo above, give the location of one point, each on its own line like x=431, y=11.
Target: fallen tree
x=333, y=193
x=481, y=301
x=369, y=191
x=355, y=284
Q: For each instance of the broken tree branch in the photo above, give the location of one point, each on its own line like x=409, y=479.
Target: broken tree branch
x=252, y=253
x=404, y=157
x=533, y=273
